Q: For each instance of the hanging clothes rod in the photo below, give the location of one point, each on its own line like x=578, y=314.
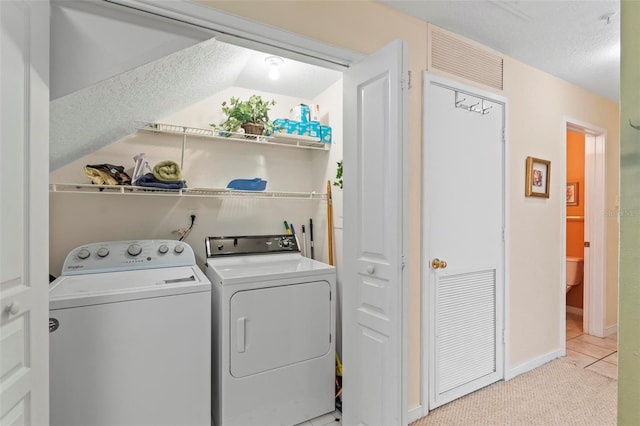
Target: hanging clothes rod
x=482, y=109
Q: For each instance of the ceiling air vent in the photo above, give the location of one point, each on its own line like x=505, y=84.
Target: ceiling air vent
x=453, y=55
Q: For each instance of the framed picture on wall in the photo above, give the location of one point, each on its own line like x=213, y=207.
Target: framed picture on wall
x=538, y=177
x=573, y=194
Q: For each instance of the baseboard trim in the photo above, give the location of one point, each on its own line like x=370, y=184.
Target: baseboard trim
x=612, y=329
x=533, y=363
x=574, y=310
x=415, y=414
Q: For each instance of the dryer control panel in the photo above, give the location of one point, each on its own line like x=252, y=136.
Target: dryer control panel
x=111, y=256
x=257, y=244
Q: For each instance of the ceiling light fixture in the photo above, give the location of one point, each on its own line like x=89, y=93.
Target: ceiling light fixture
x=274, y=62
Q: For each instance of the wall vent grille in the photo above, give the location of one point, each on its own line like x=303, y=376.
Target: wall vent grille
x=455, y=56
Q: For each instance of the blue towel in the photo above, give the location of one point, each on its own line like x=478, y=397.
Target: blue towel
x=149, y=181
x=256, y=184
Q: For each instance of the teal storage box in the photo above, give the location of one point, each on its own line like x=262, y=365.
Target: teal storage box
x=303, y=129
x=280, y=125
x=292, y=127
x=314, y=129
x=325, y=134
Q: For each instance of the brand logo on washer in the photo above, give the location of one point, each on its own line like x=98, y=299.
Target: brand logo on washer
x=75, y=267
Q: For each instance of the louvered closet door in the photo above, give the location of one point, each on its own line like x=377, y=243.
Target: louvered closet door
x=464, y=248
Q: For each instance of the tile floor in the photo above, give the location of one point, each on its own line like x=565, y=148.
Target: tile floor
x=593, y=353
x=326, y=420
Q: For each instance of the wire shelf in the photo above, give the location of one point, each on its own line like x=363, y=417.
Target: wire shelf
x=185, y=192
x=277, y=139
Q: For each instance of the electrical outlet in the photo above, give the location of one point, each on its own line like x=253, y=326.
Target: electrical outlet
x=193, y=212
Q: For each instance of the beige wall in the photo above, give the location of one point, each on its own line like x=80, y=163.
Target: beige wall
x=538, y=103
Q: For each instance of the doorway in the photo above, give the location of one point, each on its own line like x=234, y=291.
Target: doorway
x=575, y=247
x=253, y=35
x=594, y=272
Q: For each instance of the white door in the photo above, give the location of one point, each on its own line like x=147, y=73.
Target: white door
x=463, y=238
x=375, y=239
x=24, y=220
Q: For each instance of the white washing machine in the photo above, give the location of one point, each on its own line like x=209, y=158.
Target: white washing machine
x=130, y=336
x=273, y=312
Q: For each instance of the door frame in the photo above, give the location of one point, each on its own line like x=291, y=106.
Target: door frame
x=256, y=35
x=429, y=77
x=594, y=306
x=24, y=291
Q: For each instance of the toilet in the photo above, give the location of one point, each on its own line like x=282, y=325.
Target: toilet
x=575, y=266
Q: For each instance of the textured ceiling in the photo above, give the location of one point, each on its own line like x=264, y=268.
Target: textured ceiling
x=92, y=41
x=572, y=40
x=95, y=116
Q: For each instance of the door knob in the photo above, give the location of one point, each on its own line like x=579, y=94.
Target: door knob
x=438, y=264
x=13, y=308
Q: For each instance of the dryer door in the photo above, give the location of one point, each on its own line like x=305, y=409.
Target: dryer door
x=278, y=326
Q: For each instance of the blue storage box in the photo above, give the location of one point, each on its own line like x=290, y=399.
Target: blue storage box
x=256, y=184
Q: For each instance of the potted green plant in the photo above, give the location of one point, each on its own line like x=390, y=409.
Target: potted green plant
x=338, y=181
x=251, y=115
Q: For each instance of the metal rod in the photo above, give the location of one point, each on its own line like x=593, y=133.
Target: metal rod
x=184, y=144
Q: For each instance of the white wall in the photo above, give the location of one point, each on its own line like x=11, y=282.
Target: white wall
x=325, y=170
x=81, y=218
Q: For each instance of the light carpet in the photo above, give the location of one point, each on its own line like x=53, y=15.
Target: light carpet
x=557, y=393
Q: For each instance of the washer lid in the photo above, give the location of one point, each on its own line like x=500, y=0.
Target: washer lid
x=244, y=269
x=92, y=289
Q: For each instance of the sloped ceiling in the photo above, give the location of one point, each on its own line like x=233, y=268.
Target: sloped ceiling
x=92, y=41
x=88, y=119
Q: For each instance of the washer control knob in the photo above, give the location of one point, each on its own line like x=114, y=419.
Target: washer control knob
x=84, y=253
x=103, y=252
x=134, y=249
x=179, y=249
x=285, y=242
x=163, y=249
x=220, y=246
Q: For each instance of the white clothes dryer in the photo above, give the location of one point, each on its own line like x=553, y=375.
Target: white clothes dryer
x=273, y=334
x=130, y=336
